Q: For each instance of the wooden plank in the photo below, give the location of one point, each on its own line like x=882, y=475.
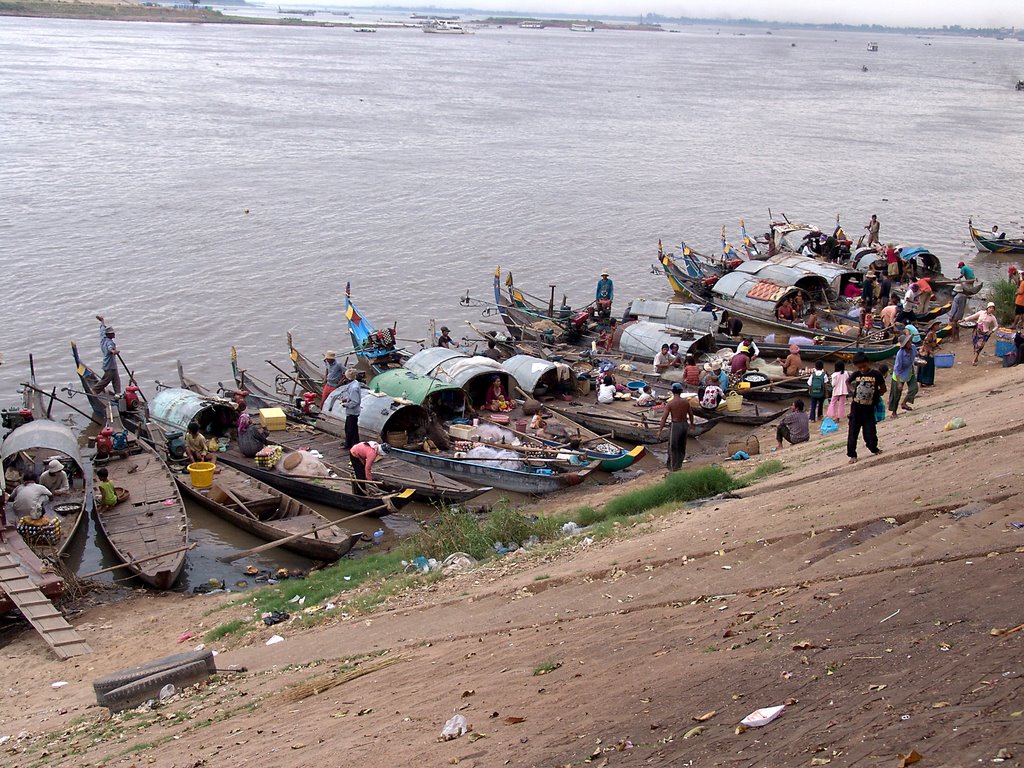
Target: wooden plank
x=38, y=610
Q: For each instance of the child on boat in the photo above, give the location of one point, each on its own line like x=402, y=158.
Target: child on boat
x=105, y=489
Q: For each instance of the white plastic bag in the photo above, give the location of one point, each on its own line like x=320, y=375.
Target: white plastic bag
x=455, y=727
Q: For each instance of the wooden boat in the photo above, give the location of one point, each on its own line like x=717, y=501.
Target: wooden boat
x=150, y=520
x=263, y=511
x=175, y=409
x=925, y=264
x=626, y=423
x=29, y=448
x=985, y=242
x=382, y=420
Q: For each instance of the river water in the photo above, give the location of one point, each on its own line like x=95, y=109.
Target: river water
x=206, y=186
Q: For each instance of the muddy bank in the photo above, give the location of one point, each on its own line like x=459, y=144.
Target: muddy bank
x=866, y=596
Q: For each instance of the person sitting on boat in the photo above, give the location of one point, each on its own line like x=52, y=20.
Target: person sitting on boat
x=604, y=294
x=196, y=446
x=497, y=399
x=106, y=494
x=362, y=456
x=677, y=356
x=606, y=339
x=646, y=397
x=852, y=289
x=691, y=371
x=662, y=360
x=996, y=234
x=798, y=307
x=445, y=339
x=711, y=394
x=492, y=351
x=793, y=363
x=110, y=353
x=811, y=320
x=715, y=369
x=749, y=348
x=251, y=438
x=785, y=311
x=738, y=365
x=55, y=479
x=29, y=497
x=606, y=392
x=335, y=370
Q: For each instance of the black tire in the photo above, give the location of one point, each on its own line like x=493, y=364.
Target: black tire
x=136, y=692
x=122, y=677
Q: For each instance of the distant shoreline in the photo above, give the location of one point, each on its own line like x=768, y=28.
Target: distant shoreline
x=41, y=9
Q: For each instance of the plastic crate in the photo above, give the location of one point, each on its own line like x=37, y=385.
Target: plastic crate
x=945, y=360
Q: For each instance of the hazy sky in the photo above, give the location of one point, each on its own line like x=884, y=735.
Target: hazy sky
x=977, y=13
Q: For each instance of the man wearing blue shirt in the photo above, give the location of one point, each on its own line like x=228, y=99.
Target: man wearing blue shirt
x=110, y=352
x=904, y=373
x=604, y=295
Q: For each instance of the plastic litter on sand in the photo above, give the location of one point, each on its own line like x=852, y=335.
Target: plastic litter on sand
x=761, y=717
x=455, y=727
x=274, y=640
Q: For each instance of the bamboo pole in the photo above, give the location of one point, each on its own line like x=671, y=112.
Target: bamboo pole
x=89, y=575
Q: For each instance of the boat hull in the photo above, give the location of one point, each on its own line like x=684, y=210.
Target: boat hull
x=517, y=481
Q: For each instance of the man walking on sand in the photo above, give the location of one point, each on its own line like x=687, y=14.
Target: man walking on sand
x=682, y=419
x=866, y=388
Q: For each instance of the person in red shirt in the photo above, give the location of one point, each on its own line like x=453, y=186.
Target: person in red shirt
x=362, y=455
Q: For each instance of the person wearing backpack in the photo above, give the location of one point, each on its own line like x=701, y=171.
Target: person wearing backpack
x=816, y=385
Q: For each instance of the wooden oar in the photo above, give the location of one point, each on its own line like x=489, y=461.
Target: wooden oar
x=274, y=544
x=89, y=575
x=231, y=495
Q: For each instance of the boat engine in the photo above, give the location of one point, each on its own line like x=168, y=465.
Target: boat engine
x=308, y=401
x=175, y=445
x=131, y=398
x=120, y=440
x=14, y=417
x=105, y=442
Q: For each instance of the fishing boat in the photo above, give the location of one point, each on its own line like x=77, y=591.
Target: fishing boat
x=29, y=448
x=147, y=528
x=873, y=47
x=525, y=320
x=41, y=574
x=580, y=28
x=923, y=263
x=261, y=510
x=174, y=409
x=993, y=243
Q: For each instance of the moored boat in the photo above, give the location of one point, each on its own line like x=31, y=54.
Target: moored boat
x=30, y=448
x=147, y=528
x=263, y=511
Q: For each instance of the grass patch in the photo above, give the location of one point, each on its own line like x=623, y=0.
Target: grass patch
x=225, y=629
x=546, y=668
x=767, y=469
x=1002, y=294
x=677, y=487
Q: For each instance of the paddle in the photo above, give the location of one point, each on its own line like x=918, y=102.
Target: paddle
x=274, y=544
x=231, y=495
x=89, y=575
x=53, y=396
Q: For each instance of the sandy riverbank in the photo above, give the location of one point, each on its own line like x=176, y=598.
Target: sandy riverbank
x=864, y=595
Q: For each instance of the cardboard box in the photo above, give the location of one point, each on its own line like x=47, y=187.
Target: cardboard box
x=462, y=431
x=273, y=419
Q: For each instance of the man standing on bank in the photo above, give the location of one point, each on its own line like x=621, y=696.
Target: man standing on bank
x=682, y=419
x=110, y=353
x=353, y=400
x=866, y=387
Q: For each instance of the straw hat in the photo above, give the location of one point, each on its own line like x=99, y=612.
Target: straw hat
x=604, y=273
x=55, y=466
x=350, y=374
x=715, y=365
x=958, y=289
x=990, y=305
x=330, y=355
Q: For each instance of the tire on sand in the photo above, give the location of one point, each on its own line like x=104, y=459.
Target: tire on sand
x=138, y=691
x=122, y=677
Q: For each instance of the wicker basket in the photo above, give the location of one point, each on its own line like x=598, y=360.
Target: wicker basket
x=397, y=439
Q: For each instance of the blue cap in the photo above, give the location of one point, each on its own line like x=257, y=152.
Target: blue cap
x=677, y=387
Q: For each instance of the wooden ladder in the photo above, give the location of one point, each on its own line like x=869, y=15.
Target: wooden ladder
x=37, y=608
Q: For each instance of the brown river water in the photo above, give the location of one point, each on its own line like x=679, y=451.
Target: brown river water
x=206, y=186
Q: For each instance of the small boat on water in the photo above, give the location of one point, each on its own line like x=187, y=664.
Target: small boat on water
x=581, y=28
x=995, y=242
x=174, y=409
x=30, y=448
x=873, y=47
x=147, y=528
x=366, y=30
x=261, y=510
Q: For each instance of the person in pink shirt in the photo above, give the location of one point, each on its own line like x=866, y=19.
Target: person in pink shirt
x=362, y=455
x=889, y=312
x=837, y=406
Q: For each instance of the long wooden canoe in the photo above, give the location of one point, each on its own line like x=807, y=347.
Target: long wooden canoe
x=150, y=521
